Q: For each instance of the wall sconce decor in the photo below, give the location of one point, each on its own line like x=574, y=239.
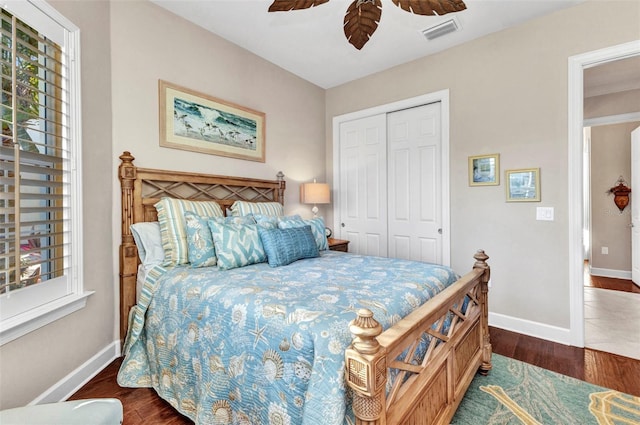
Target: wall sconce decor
x=315, y=193
x=621, y=194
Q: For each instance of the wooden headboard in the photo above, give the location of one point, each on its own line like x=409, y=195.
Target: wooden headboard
x=142, y=188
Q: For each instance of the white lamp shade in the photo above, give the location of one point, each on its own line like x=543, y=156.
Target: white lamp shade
x=315, y=193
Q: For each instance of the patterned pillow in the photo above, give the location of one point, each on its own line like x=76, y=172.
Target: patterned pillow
x=317, y=228
x=237, y=245
x=240, y=208
x=248, y=219
x=173, y=227
x=284, y=246
x=200, y=248
x=271, y=221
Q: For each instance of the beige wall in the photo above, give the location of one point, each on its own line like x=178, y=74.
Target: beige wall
x=612, y=104
x=508, y=94
x=32, y=364
x=610, y=159
x=150, y=43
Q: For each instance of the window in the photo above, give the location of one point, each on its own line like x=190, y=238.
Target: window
x=40, y=192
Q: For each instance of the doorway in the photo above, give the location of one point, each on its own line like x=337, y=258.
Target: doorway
x=577, y=65
x=611, y=309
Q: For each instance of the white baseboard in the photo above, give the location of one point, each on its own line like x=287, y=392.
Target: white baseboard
x=67, y=386
x=527, y=327
x=616, y=274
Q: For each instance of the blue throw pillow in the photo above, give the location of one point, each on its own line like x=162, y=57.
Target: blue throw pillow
x=271, y=221
x=237, y=245
x=284, y=246
x=200, y=249
x=317, y=228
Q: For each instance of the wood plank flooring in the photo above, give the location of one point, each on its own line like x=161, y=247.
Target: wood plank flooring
x=625, y=285
x=143, y=406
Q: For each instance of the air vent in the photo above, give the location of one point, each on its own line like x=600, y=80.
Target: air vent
x=441, y=29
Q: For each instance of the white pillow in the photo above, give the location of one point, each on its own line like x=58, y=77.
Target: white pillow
x=149, y=242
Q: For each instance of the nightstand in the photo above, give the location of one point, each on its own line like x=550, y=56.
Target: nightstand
x=338, y=244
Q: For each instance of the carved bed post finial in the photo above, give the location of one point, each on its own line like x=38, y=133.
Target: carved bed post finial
x=128, y=251
x=481, y=263
x=366, y=370
x=283, y=185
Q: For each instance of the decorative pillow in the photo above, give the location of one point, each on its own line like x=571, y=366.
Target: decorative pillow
x=247, y=219
x=240, y=208
x=284, y=246
x=271, y=221
x=173, y=226
x=237, y=245
x=317, y=228
x=200, y=249
x=149, y=242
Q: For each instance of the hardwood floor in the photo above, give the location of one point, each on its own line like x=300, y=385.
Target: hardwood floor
x=624, y=285
x=143, y=406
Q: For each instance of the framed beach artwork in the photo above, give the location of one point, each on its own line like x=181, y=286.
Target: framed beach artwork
x=197, y=122
x=484, y=170
x=523, y=185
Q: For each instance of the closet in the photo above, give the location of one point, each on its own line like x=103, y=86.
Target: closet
x=391, y=184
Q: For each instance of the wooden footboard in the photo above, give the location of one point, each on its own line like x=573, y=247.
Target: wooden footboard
x=389, y=388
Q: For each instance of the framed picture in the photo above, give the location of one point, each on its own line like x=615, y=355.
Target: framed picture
x=484, y=170
x=523, y=185
x=197, y=122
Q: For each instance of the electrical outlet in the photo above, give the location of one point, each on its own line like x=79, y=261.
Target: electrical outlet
x=605, y=250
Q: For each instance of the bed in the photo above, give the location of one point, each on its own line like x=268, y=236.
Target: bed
x=315, y=342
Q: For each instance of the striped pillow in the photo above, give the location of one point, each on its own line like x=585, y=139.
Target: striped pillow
x=173, y=227
x=317, y=228
x=284, y=246
x=240, y=208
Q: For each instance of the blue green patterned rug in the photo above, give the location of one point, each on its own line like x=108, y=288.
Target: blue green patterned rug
x=517, y=393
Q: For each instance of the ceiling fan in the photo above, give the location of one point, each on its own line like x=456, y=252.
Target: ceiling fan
x=362, y=17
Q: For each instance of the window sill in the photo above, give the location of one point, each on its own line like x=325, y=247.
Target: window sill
x=36, y=318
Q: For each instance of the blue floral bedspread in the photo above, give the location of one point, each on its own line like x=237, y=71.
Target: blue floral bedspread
x=262, y=345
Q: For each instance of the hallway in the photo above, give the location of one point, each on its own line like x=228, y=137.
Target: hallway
x=612, y=315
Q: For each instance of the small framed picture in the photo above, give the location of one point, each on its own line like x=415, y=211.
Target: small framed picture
x=523, y=185
x=484, y=170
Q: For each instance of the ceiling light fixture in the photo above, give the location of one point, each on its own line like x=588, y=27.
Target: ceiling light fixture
x=363, y=16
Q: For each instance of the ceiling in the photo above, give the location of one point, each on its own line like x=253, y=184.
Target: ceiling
x=612, y=77
x=311, y=43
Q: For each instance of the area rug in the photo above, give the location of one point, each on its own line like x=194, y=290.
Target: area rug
x=518, y=393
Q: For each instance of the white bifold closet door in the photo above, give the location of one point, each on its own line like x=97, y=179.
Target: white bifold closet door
x=363, y=185
x=415, y=187
x=390, y=184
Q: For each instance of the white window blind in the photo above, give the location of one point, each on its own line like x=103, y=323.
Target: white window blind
x=39, y=181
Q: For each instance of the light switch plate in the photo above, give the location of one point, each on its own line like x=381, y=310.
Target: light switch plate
x=544, y=213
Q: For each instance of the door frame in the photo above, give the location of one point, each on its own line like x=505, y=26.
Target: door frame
x=577, y=64
x=441, y=96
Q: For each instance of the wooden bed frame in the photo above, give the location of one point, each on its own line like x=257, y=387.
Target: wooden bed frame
x=425, y=393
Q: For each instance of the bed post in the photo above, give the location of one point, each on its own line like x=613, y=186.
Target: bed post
x=481, y=263
x=366, y=370
x=128, y=251
x=283, y=184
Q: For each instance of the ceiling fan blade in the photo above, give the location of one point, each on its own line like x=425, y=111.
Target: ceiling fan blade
x=285, y=5
x=431, y=7
x=361, y=21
